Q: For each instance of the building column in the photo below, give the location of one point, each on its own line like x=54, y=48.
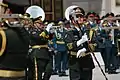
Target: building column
x=108, y=6
x=102, y=13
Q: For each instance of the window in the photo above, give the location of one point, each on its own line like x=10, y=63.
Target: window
x=53, y=8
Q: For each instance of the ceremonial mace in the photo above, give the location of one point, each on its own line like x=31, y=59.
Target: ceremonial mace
x=97, y=61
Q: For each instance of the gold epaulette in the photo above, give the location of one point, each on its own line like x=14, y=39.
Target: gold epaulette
x=92, y=46
x=44, y=35
x=70, y=46
x=60, y=42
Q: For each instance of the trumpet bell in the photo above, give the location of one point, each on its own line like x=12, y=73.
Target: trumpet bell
x=36, y=11
x=67, y=11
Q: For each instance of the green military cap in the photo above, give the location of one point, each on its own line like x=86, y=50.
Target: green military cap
x=91, y=13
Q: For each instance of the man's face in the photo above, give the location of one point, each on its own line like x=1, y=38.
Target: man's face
x=91, y=17
x=67, y=26
x=80, y=18
x=110, y=19
x=26, y=22
x=2, y=10
x=39, y=25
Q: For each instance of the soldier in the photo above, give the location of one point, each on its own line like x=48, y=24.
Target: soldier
x=91, y=19
x=118, y=39
x=80, y=67
x=14, y=41
x=97, y=19
x=100, y=44
x=60, y=47
x=91, y=15
x=26, y=21
x=118, y=20
x=113, y=35
x=39, y=42
x=108, y=45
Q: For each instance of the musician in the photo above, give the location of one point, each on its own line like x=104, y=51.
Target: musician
x=91, y=19
x=100, y=40
x=80, y=67
x=97, y=19
x=110, y=15
x=118, y=38
x=39, y=37
x=26, y=20
x=118, y=20
x=109, y=45
x=60, y=47
x=91, y=15
x=14, y=46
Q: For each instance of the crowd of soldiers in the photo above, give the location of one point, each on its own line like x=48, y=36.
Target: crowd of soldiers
x=33, y=49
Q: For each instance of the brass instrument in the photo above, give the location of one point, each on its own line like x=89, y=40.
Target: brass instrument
x=112, y=28
x=35, y=12
x=26, y=20
x=105, y=23
x=113, y=18
x=19, y=23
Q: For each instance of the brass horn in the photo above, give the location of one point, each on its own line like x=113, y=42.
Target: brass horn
x=35, y=12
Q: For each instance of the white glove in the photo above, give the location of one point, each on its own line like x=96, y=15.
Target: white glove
x=81, y=52
x=82, y=40
x=49, y=26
